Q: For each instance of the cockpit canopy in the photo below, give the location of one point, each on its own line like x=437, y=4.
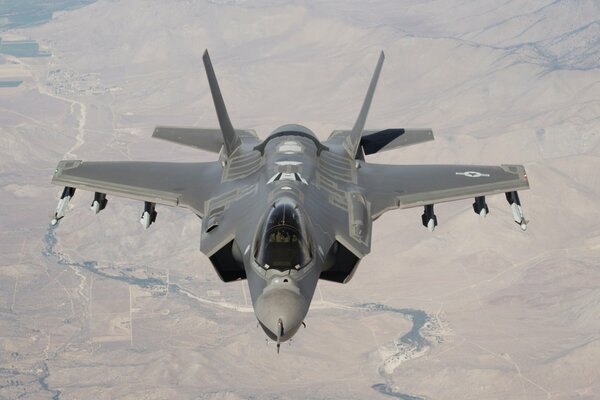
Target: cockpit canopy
x=282, y=241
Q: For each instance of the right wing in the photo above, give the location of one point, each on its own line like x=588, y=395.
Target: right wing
x=174, y=184
x=405, y=186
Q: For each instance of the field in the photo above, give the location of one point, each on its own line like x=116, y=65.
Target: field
x=99, y=308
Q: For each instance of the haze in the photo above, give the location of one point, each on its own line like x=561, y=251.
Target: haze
x=100, y=308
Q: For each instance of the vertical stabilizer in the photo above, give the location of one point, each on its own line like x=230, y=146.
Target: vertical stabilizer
x=353, y=139
x=230, y=138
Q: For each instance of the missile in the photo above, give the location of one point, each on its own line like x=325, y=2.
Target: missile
x=431, y=225
x=63, y=204
x=428, y=218
x=517, y=210
x=480, y=206
x=99, y=202
x=149, y=215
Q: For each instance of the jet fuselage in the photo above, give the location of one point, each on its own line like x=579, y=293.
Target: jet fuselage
x=293, y=239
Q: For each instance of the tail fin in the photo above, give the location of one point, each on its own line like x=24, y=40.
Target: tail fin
x=230, y=138
x=353, y=139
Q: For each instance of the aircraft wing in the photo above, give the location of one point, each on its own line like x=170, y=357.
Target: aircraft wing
x=405, y=186
x=173, y=184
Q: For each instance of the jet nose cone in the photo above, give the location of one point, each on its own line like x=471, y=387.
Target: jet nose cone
x=280, y=312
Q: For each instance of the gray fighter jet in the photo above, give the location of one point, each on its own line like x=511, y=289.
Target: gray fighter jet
x=288, y=210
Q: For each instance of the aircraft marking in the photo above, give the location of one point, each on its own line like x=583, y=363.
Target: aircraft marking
x=472, y=174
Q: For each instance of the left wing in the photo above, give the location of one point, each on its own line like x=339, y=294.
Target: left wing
x=405, y=186
x=174, y=184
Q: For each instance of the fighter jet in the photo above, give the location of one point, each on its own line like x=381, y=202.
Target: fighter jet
x=288, y=210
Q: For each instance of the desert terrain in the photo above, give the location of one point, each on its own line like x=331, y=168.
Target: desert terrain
x=96, y=307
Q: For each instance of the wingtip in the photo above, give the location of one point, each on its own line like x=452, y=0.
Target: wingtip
x=206, y=56
x=382, y=55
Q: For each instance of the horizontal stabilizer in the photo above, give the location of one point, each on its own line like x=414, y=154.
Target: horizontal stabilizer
x=375, y=141
x=208, y=139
